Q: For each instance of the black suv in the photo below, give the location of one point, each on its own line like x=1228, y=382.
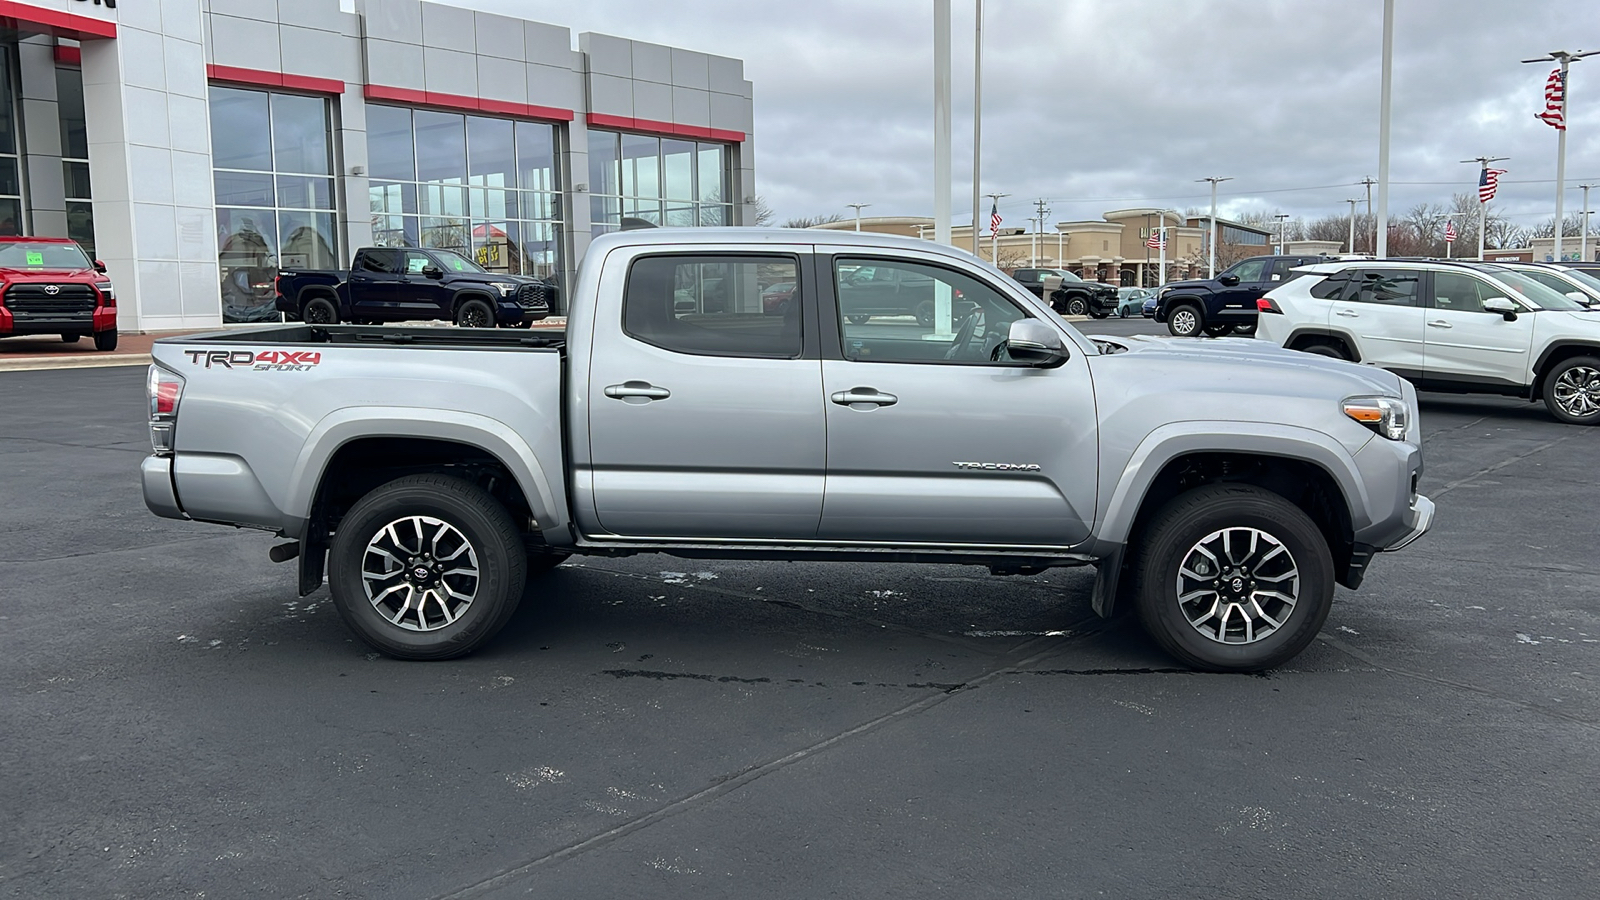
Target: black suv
x=392, y=284
x=1225, y=304
x=1076, y=297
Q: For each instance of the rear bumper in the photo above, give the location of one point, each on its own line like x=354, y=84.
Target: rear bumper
x=155, y=474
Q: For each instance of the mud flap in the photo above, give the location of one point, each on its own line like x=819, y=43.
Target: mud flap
x=1107, y=574
x=313, y=555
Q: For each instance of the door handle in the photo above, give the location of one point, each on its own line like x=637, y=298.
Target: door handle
x=865, y=396
x=636, y=392
x=1440, y=323
x=1348, y=314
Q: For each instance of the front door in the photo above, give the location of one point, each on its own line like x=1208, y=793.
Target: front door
x=1467, y=345
x=1381, y=309
x=419, y=296
x=936, y=435
x=705, y=420
x=1233, y=302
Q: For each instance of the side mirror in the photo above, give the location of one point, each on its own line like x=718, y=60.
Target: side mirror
x=1035, y=343
x=1229, y=280
x=100, y=267
x=1578, y=296
x=432, y=272
x=1501, y=305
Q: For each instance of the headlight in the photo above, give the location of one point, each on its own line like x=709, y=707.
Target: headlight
x=1387, y=416
x=106, y=291
x=505, y=288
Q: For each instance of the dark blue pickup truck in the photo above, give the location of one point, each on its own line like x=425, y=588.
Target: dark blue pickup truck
x=1226, y=304
x=392, y=284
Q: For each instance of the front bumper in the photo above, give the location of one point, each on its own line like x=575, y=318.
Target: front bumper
x=1419, y=519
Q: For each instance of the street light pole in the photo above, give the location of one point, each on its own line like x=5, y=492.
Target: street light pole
x=1583, y=242
x=1566, y=59
x=1211, y=242
x=858, y=207
x=977, y=122
x=1383, y=129
x=1369, y=181
x=1483, y=205
x=1352, y=243
x=1280, y=217
x=941, y=123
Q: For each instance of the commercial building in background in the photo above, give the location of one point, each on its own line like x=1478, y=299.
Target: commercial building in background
x=196, y=145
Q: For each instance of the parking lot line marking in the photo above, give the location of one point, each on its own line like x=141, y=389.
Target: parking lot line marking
x=1450, y=682
x=744, y=777
x=1502, y=464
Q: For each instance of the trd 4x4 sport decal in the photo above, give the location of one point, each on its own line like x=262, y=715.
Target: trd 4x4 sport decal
x=257, y=360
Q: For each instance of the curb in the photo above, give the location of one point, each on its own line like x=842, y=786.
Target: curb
x=36, y=363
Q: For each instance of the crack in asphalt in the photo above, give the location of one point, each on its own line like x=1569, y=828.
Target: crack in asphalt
x=726, y=784
x=1502, y=464
x=1459, y=685
x=109, y=551
x=139, y=449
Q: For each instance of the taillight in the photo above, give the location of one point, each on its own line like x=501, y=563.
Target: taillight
x=1267, y=305
x=165, y=390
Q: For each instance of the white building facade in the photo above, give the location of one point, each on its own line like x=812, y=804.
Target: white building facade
x=195, y=146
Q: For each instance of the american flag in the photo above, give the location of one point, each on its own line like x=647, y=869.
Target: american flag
x=1555, y=95
x=1158, y=239
x=1449, y=232
x=994, y=218
x=1487, y=182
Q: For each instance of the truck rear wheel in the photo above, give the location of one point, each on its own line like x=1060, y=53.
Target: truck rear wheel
x=1232, y=578
x=426, y=567
x=319, y=311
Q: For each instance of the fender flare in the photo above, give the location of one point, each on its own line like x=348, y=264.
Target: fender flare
x=546, y=498
x=1324, y=331
x=472, y=293
x=1555, y=346
x=1168, y=442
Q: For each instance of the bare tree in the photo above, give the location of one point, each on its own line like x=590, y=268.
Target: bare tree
x=764, y=214
x=813, y=221
x=1571, y=226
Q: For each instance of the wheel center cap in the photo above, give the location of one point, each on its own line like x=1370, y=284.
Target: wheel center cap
x=420, y=573
x=1238, y=585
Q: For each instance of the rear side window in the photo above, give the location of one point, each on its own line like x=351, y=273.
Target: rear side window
x=1388, y=287
x=386, y=262
x=714, y=305
x=1332, y=287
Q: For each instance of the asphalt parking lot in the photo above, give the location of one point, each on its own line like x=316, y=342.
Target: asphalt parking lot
x=174, y=722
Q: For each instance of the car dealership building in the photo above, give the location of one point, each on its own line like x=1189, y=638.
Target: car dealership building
x=195, y=146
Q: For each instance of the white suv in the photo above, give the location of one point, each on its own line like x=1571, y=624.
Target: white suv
x=1459, y=327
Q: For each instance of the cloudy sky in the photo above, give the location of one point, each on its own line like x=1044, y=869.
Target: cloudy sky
x=1102, y=104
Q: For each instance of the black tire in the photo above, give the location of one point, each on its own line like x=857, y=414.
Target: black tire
x=859, y=320
x=494, y=544
x=474, y=313
x=1331, y=351
x=70, y=338
x=1077, y=306
x=319, y=310
x=1219, y=330
x=1122, y=312
x=1245, y=330
x=1572, y=391
x=1187, y=522
x=105, y=341
x=1185, y=320
x=924, y=313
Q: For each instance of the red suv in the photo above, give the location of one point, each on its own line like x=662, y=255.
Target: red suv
x=50, y=286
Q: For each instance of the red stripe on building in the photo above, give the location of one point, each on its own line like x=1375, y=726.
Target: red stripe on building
x=458, y=103
x=665, y=129
x=23, y=17
x=69, y=56
x=262, y=78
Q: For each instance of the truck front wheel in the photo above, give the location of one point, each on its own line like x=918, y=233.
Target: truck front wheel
x=426, y=567
x=105, y=340
x=1184, y=321
x=475, y=314
x=1232, y=578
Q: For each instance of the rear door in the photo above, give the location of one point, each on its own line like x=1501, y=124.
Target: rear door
x=935, y=435
x=1381, y=311
x=375, y=283
x=1467, y=345
x=705, y=415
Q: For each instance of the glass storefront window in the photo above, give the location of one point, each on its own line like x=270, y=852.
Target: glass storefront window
x=636, y=178
x=273, y=162
x=481, y=186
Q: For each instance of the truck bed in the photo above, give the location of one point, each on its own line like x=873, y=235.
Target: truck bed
x=435, y=338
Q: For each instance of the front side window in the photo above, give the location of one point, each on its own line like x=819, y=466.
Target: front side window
x=416, y=262
x=710, y=305
x=1463, y=293
x=1387, y=287
x=1249, y=270
x=912, y=312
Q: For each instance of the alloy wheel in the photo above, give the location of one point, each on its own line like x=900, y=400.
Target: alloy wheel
x=1185, y=322
x=1238, y=585
x=1577, y=391
x=420, y=573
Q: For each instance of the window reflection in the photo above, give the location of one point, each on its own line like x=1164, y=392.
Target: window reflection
x=637, y=180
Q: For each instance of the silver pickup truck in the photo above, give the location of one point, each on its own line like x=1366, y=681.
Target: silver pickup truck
x=708, y=399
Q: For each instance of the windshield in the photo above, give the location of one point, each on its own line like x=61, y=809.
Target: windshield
x=1585, y=279
x=455, y=262
x=1067, y=276
x=42, y=255
x=1537, y=294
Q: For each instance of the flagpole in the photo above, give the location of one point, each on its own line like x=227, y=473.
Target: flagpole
x=1565, y=59
x=1448, y=243
x=1483, y=205
x=1383, y=129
